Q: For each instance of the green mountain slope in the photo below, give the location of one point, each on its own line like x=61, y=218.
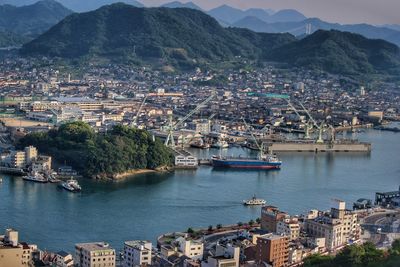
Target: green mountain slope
x=32, y=20
x=125, y=32
x=9, y=39
x=340, y=52
x=184, y=38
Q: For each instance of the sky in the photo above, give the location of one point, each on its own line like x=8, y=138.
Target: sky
x=342, y=11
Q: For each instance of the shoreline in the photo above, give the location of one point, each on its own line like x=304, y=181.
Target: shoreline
x=128, y=174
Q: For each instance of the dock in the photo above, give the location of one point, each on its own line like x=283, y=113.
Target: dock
x=312, y=146
x=12, y=171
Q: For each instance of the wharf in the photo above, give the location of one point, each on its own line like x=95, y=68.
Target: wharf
x=312, y=146
x=13, y=171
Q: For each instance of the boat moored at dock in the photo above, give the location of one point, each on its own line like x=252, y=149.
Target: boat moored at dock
x=263, y=162
x=35, y=177
x=71, y=185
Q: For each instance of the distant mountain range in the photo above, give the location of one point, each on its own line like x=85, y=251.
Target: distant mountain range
x=32, y=20
x=185, y=38
x=177, y=4
x=299, y=28
x=230, y=15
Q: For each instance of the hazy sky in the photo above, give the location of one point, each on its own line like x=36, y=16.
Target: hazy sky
x=342, y=11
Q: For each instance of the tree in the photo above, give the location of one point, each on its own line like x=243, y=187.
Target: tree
x=210, y=228
x=240, y=224
x=258, y=220
x=219, y=226
x=190, y=230
x=251, y=222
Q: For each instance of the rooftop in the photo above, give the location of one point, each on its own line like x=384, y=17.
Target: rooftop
x=94, y=246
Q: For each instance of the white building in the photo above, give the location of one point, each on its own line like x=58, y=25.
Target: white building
x=94, y=255
x=137, y=253
x=191, y=248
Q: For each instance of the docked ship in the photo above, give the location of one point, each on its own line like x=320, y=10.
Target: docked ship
x=254, y=201
x=35, y=177
x=220, y=144
x=200, y=144
x=71, y=185
x=268, y=161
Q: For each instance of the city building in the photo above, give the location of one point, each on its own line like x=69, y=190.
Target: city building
x=270, y=216
x=18, y=159
x=338, y=227
x=94, y=255
x=190, y=248
x=64, y=259
x=273, y=250
x=13, y=253
x=289, y=227
x=224, y=256
x=137, y=253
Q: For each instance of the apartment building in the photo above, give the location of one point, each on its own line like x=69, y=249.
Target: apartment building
x=98, y=254
x=13, y=253
x=270, y=216
x=137, y=253
x=289, y=227
x=338, y=226
x=272, y=249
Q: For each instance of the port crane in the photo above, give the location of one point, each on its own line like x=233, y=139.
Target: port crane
x=260, y=147
x=308, y=125
x=172, y=126
x=134, y=122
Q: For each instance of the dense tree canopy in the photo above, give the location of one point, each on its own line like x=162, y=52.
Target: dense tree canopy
x=120, y=150
x=365, y=255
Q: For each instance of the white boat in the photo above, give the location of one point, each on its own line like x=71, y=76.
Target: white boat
x=220, y=144
x=254, y=201
x=71, y=185
x=35, y=177
x=1, y=180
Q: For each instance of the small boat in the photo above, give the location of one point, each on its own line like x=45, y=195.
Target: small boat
x=254, y=201
x=220, y=144
x=1, y=180
x=52, y=177
x=71, y=185
x=35, y=177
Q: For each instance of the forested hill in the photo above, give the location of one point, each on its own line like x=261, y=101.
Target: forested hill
x=340, y=52
x=123, y=149
x=177, y=36
x=186, y=38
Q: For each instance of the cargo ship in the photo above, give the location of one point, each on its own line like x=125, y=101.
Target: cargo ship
x=269, y=161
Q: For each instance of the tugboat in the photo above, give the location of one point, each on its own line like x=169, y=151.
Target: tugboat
x=35, y=177
x=71, y=185
x=254, y=201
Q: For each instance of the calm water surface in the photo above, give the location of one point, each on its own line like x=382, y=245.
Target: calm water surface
x=149, y=205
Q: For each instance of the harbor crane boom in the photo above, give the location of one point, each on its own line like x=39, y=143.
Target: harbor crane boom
x=260, y=147
x=170, y=138
x=134, y=123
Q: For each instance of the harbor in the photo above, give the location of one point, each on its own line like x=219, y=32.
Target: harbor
x=197, y=198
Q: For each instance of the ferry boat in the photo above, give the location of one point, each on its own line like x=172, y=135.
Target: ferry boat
x=254, y=201
x=268, y=161
x=71, y=185
x=35, y=177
